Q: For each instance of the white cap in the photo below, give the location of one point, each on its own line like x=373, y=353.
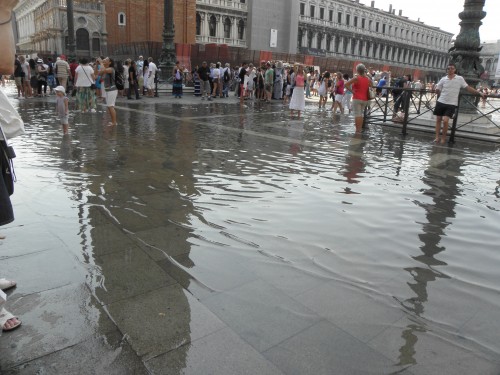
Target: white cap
x=60, y=88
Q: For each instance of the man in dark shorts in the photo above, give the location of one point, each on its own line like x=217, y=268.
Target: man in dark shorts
x=242, y=74
x=448, y=90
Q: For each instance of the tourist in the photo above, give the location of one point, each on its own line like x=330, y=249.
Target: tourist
x=338, y=92
x=125, y=73
x=41, y=76
x=346, y=100
x=325, y=84
x=133, y=82
x=227, y=77
x=51, y=79
x=268, y=81
x=196, y=81
x=250, y=81
x=62, y=108
x=84, y=78
x=18, y=77
x=241, y=74
x=204, y=74
x=63, y=71
x=278, y=80
x=448, y=90
x=27, y=77
x=297, y=102
x=12, y=126
x=145, y=75
x=152, y=69
x=110, y=90
x=359, y=86
x=33, y=78
x=177, y=80
x=216, y=80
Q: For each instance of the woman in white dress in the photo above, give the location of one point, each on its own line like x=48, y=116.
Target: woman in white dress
x=298, y=102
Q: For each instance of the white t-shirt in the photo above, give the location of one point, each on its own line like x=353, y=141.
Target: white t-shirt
x=216, y=73
x=450, y=89
x=152, y=69
x=84, y=78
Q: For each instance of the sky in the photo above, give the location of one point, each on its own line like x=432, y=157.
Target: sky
x=444, y=14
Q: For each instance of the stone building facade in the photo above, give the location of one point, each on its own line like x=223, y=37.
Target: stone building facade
x=350, y=29
x=43, y=29
x=222, y=22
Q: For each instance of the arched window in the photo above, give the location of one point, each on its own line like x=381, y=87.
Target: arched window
x=309, y=39
x=212, y=25
x=301, y=34
x=241, y=29
x=122, y=19
x=198, y=24
x=319, y=39
x=488, y=65
x=96, y=44
x=82, y=40
x=227, y=28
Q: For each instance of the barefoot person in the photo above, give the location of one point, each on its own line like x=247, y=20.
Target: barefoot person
x=448, y=90
x=359, y=87
x=11, y=125
x=108, y=79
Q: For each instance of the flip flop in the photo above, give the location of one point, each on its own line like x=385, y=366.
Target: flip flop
x=5, y=316
x=7, y=284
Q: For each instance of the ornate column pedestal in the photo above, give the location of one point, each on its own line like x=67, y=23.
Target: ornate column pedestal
x=465, y=52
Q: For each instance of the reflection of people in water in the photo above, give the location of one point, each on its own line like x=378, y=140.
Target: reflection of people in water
x=442, y=178
x=354, y=164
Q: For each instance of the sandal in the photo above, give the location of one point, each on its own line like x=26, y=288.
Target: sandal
x=7, y=284
x=6, y=316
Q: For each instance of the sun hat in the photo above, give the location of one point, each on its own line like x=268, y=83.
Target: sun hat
x=60, y=88
x=40, y=61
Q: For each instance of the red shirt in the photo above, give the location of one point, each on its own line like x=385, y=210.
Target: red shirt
x=72, y=68
x=360, y=88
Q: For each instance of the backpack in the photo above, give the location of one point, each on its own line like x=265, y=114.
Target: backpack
x=399, y=83
x=118, y=80
x=227, y=76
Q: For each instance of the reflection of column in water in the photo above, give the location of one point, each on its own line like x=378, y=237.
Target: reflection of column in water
x=442, y=179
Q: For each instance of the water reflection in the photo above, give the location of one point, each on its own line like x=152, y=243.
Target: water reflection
x=442, y=178
x=354, y=163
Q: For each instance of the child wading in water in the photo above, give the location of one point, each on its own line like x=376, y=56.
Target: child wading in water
x=62, y=107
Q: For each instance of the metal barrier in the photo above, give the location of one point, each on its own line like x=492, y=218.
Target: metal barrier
x=417, y=106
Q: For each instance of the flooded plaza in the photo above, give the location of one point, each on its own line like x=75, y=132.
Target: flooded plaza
x=205, y=238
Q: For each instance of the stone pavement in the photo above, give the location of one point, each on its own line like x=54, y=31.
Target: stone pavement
x=115, y=277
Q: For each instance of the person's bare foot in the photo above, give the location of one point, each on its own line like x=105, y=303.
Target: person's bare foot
x=443, y=141
x=11, y=324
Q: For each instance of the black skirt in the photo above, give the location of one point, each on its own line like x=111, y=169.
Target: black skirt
x=6, y=212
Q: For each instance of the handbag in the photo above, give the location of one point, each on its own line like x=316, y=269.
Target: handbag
x=7, y=154
x=92, y=85
x=372, y=94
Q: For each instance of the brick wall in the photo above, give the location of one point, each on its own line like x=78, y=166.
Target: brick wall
x=144, y=21
x=185, y=21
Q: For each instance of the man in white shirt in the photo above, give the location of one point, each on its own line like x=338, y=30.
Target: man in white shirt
x=448, y=90
x=151, y=76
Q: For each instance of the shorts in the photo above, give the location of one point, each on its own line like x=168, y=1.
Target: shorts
x=111, y=98
x=18, y=80
x=446, y=110
x=64, y=119
x=339, y=97
x=268, y=86
x=358, y=107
